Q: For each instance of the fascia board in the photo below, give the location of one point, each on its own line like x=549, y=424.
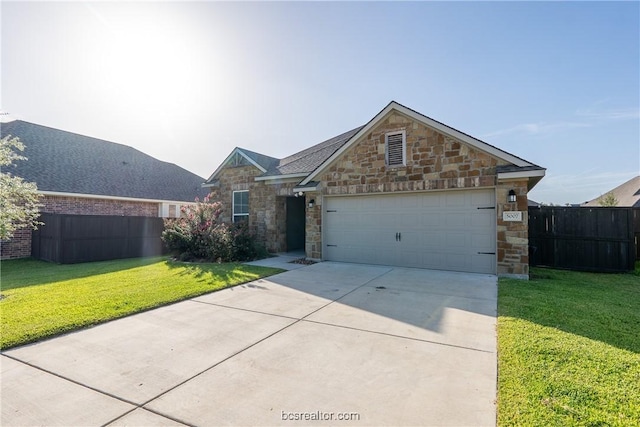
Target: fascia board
x=305, y=189
x=474, y=142
x=235, y=150
x=103, y=197
x=502, y=176
x=280, y=177
x=496, y=152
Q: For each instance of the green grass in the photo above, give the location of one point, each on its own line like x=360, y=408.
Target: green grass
x=569, y=350
x=42, y=300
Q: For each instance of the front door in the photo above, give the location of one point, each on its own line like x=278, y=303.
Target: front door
x=295, y=223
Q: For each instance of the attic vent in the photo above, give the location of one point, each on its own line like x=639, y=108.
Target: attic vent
x=238, y=160
x=395, y=148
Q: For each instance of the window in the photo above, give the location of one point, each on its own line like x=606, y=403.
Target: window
x=240, y=206
x=395, y=148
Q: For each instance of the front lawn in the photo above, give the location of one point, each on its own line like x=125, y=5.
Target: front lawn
x=569, y=349
x=41, y=299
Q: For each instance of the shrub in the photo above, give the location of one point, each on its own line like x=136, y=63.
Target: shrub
x=200, y=235
x=243, y=243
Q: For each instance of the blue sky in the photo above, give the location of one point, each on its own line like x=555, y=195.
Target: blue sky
x=556, y=83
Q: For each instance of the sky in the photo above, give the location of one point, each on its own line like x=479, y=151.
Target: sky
x=555, y=83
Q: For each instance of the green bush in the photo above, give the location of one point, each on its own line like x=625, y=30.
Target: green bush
x=243, y=243
x=200, y=235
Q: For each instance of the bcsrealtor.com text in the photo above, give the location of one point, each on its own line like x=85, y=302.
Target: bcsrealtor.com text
x=319, y=416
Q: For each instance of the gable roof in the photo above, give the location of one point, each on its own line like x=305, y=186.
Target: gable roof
x=309, y=163
x=297, y=165
x=526, y=168
x=65, y=162
x=260, y=161
x=627, y=194
x=306, y=161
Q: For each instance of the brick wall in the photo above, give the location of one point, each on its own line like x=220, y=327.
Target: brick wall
x=20, y=245
x=84, y=206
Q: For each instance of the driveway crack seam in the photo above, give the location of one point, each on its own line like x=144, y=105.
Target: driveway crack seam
x=216, y=364
x=246, y=309
x=256, y=343
x=122, y=399
x=399, y=336
x=153, y=412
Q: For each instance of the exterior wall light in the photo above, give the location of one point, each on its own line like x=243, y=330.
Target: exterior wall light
x=312, y=202
x=512, y=197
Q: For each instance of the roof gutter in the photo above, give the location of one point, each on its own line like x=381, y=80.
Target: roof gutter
x=278, y=177
x=521, y=174
x=533, y=177
x=103, y=197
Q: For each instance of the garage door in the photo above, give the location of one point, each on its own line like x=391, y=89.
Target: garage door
x=452, y=230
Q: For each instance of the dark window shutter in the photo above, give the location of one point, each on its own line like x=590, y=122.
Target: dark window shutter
x=395, y=146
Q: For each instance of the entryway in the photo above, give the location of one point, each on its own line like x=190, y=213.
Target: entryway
x=295, y=229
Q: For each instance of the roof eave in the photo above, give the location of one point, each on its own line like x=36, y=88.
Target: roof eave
x=243, y=154
x=280, y=177
x=106, y=197
x=474, y=142
x=532, y=176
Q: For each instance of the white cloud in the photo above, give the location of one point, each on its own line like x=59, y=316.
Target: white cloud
x=610, y=114
x=537, y=128
x=586, y=118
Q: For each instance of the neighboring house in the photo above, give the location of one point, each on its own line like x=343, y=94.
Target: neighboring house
x=627, y=195
x=81, y=175
x=402, y=190
x=533, y=203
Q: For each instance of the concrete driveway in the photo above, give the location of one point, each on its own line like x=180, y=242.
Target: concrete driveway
x=329, y=344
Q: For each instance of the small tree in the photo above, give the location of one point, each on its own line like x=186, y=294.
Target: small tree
x=197, y=233
x=19, y=200
x=608, y=200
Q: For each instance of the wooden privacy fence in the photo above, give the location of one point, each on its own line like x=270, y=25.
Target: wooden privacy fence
x=68, y=239
x=591, y=239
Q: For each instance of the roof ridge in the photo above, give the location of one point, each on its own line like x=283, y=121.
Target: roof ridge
x=90, y=137
x=317, y=147
x=255, y=152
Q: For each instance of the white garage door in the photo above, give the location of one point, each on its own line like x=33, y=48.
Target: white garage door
x=449, y=230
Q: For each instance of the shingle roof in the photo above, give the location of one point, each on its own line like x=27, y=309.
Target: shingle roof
x=310, y=161
x=265, y=161
x=66, y=162
x=302, y=162
x=627, y=194
x=306, y=161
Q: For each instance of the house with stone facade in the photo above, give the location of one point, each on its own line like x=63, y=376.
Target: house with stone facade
x=402, y=190
x=80, y=175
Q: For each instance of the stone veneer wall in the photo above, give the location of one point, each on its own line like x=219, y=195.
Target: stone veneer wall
x=20, y=245
x=513, y=237
x=313, y=227
x=434, y=161
x=267, y=204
